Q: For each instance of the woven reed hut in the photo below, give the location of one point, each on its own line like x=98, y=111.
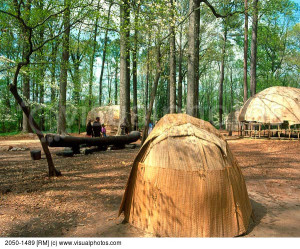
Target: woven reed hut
x=273, y=106
x=109, y=115
x=185, y=182
x=232, y=121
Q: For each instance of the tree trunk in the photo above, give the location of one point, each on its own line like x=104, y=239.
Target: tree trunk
x=246, y=52
x=53, y=92
x=147, y=77
x=26, y=77
x=61, y=125
x=92, y=59
x=124, y=67
x=41, y=78
x=153, y=93
x=77, y=87
x=193, y=58
x=116, y=83
x=104, y=55
x=254, y=48
x=172, y=63
x=134, y=69
x=26, y=111
x=222, y=79
x=180, y=74
x=231, y=90
x=108, y=82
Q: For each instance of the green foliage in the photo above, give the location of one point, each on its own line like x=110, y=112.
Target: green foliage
x=278, y=55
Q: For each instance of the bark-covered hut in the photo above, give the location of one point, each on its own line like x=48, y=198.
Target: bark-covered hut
x=109, y=116
x=185, y=182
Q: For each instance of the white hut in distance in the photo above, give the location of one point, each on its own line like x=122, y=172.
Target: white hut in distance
x=232, y=121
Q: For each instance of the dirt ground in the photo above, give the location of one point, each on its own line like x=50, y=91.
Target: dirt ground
x=84, y=201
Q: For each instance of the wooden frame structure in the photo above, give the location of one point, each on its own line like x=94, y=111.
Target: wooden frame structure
x=272, y=130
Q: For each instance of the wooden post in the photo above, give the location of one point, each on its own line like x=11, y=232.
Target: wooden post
x=278, y=127
x=259, y=130
x=269, y=131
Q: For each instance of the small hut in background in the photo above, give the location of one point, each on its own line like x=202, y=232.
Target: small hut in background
x=185, y=182
x=275, y=110
x=232, y=121
x=109, y=115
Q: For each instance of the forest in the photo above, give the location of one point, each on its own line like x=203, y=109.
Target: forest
x=205, y=58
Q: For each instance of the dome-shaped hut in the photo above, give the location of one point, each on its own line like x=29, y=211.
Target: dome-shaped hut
x=185, y=182
x=273, y=105
x=109, y=115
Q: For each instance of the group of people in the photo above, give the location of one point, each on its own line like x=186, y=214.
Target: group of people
x=96, y=129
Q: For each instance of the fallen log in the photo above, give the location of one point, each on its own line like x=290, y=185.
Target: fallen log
x=75, y=142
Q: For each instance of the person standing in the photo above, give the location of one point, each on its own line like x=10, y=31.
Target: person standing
x=97, y=128
x=89, y=129
x=103, y=130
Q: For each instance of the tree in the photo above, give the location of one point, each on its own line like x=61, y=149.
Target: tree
x=92, y=57
x=134, y=67
x=193, y=58
x=30, y=49
x=26, y=77
x=222, y=74
x=254, y=48
x=172, y=61
x=61, y=125
x=104, y=54
x=246, y=52
x=125, y=120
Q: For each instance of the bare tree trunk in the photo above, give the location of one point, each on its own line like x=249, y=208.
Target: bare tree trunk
x=231, y=90
x=246, y=52
x=134, y=69
x=124, y=67
x=180, y=76
x=147, y=77
x=109, y=82
x=153, y=93
x=92, y=58
x=41, y=81
x=222, y=80
x=193, y=58
x=61, y=125
x=172, y=63
x=254, y=48
x=116, y=83
x=103, y=56
x=22, y=104
x=26, y=77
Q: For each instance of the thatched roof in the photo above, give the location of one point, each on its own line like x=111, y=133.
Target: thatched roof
x=185, y=182
x=273, y=105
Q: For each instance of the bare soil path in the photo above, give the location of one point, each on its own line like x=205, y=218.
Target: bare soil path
x=84, y=202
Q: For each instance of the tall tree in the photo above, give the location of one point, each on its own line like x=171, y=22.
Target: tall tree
x=125, y=120
x=254, y=48
x=92, y=57
x=134, y=67
x=222, y=74
x=246, y=52
x=104, y=54
x=61, y=125
x=193, y=58
x=26, y=76
x=153, y=91
x=172, y=61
